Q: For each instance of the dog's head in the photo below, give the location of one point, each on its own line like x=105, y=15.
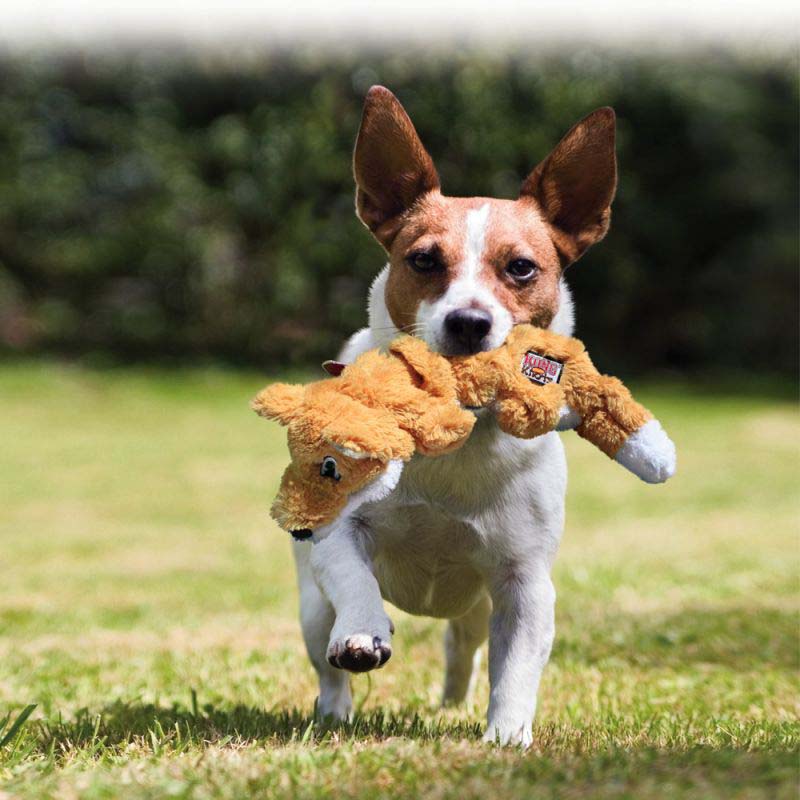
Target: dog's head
x=464, y=271
x=341, y=452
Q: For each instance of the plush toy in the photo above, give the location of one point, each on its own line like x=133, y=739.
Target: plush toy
x=346, y=431
x=350, y=434
x=539, y=380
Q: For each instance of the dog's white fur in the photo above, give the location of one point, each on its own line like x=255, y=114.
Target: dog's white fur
x=469, y=537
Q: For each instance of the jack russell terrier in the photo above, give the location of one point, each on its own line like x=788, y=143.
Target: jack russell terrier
x=470, y=536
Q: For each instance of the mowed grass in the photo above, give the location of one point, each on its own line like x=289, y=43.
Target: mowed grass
x=148, y=609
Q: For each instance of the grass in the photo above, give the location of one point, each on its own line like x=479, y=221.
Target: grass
x=148, y=610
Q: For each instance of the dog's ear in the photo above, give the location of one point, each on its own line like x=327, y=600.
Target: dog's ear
x=575, y=184
x=392, y=169
x=280, y=401
x=363, y=432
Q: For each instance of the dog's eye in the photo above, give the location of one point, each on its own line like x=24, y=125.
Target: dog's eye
x=522, y=269
x=328, y=468
x=423, y=262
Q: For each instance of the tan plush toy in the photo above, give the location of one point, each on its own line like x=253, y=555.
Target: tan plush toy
x=349, y=435
x=538, y=381
x=347, y=431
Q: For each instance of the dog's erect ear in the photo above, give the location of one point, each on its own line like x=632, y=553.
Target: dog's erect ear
x=391, y=167
x=575, y=184
x=281, y=401
x=368, y=433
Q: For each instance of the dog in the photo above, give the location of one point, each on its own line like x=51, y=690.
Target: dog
x=469, y=537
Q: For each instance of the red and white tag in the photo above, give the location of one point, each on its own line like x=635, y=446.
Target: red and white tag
x=541, y=369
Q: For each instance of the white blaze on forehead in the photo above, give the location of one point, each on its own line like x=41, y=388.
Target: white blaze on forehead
x=467, y=289
x=477, y=221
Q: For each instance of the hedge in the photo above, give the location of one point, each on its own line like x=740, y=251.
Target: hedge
x=192, y=206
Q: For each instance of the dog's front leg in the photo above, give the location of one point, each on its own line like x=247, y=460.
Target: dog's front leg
x=521, y=631
x=361, y=636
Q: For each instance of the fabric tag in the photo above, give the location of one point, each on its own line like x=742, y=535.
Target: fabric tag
x=541, y=369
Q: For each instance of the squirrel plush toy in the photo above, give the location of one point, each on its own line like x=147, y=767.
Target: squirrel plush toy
x=350, y=434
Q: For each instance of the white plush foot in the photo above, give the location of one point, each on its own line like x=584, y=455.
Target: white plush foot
x=649, y=453
x=513, y=735
x=359, y=652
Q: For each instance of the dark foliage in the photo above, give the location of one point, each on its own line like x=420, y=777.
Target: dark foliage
x=155, y=206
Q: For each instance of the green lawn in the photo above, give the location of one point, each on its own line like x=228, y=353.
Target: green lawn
x=148, y=609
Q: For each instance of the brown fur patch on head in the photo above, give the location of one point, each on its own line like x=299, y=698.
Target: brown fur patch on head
x=438, y=224
x=517, y=231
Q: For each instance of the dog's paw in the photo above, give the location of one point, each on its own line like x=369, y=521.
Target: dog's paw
x=509, y=735
x=335, y=703
x=359, y=653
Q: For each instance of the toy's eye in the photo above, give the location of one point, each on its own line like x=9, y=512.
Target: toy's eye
x=328, y=468
x=423, y=262
x=521, y=269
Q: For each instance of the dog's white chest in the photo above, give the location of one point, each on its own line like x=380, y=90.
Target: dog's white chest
x=453, y=517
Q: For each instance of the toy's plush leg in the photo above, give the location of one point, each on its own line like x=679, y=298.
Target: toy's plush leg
x=317, y=618
x=360, y=639
x=462, y=641
x=521, y=633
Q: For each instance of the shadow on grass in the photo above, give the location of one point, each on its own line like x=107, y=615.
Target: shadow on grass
x=606, y=760
x=113, y=730
x=120, y=724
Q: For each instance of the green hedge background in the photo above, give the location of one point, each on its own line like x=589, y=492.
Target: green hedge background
x=192, y=207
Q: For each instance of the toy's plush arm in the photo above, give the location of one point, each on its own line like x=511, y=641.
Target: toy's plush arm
x=607, y=415
x=524, y=410
x=597, y=406
x=492, y=380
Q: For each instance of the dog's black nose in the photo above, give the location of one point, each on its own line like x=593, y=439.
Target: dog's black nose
x=467, y=328
x=302, y=534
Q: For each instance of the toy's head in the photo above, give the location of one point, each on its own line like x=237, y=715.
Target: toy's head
x=341, y=450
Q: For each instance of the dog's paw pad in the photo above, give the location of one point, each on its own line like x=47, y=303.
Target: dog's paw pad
x=359, y=653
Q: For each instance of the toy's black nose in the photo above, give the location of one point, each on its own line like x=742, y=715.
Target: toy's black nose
x=467, y=328
x=302, y=534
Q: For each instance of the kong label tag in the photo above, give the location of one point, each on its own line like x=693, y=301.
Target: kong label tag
x=541, y=369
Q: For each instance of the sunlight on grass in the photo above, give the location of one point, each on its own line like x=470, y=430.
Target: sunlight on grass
x=141, y=564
